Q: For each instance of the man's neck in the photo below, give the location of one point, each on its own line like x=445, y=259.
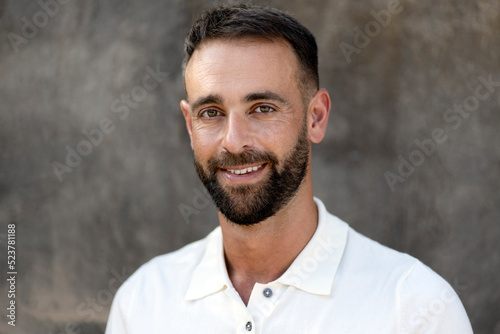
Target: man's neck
x=263, y=252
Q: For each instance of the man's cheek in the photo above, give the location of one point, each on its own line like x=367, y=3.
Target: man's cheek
x=200, y=146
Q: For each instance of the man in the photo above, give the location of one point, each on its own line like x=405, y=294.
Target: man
x=279, y=262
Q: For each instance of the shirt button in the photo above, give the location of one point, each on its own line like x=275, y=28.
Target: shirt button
x=268, y=292
x=248, y=326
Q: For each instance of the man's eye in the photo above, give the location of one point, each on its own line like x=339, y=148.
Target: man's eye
x=210, y=113
x=264, y=109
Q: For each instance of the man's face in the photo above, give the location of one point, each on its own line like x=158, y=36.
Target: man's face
x=247, y=124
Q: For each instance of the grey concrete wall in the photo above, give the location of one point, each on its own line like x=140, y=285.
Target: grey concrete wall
x=118, y=206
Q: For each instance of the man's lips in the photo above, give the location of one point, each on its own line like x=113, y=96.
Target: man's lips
x=243, y=174
x=243, y=169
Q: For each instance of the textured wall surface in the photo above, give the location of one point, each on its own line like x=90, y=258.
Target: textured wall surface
x=411, y=158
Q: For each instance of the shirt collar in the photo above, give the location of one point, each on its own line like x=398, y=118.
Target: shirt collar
x=210, y=275
x=312, y=271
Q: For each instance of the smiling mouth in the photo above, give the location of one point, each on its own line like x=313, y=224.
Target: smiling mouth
x=245, y=170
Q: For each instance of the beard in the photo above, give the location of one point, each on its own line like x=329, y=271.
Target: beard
x=251, y=204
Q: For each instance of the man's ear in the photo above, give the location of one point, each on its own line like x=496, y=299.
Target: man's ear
x=317, y=118
x=186, y=111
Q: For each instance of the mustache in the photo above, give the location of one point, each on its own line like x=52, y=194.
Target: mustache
x=228, y=159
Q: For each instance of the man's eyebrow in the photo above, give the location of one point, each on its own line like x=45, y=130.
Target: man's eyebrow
x=212, y=98
x=266, y=95
x=217, y=99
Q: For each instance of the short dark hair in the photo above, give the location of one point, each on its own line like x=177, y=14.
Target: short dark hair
x=228, y=22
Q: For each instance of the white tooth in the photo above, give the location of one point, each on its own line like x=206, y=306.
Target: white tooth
x=244, y=170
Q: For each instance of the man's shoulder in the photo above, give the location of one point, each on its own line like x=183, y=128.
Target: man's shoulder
x=370, y=251
x=374, y=259
x=170, y=269
x=424, y=299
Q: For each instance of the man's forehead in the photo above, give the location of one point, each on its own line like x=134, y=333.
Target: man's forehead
x=246, y=63
x=241, y=51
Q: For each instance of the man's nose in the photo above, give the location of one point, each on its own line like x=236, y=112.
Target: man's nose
x=237, y=134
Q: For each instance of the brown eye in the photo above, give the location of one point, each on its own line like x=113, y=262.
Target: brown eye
x=264, y=109
x=210, y=113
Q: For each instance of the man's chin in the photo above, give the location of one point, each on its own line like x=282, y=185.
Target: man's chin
x=242, y=208
x=243, y=218
x=242, y=198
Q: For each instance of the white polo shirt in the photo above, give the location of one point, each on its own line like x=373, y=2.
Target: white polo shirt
x=342, y=282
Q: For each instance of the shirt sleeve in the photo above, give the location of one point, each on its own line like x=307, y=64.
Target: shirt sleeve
x=429, y=305
x=117, y=321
